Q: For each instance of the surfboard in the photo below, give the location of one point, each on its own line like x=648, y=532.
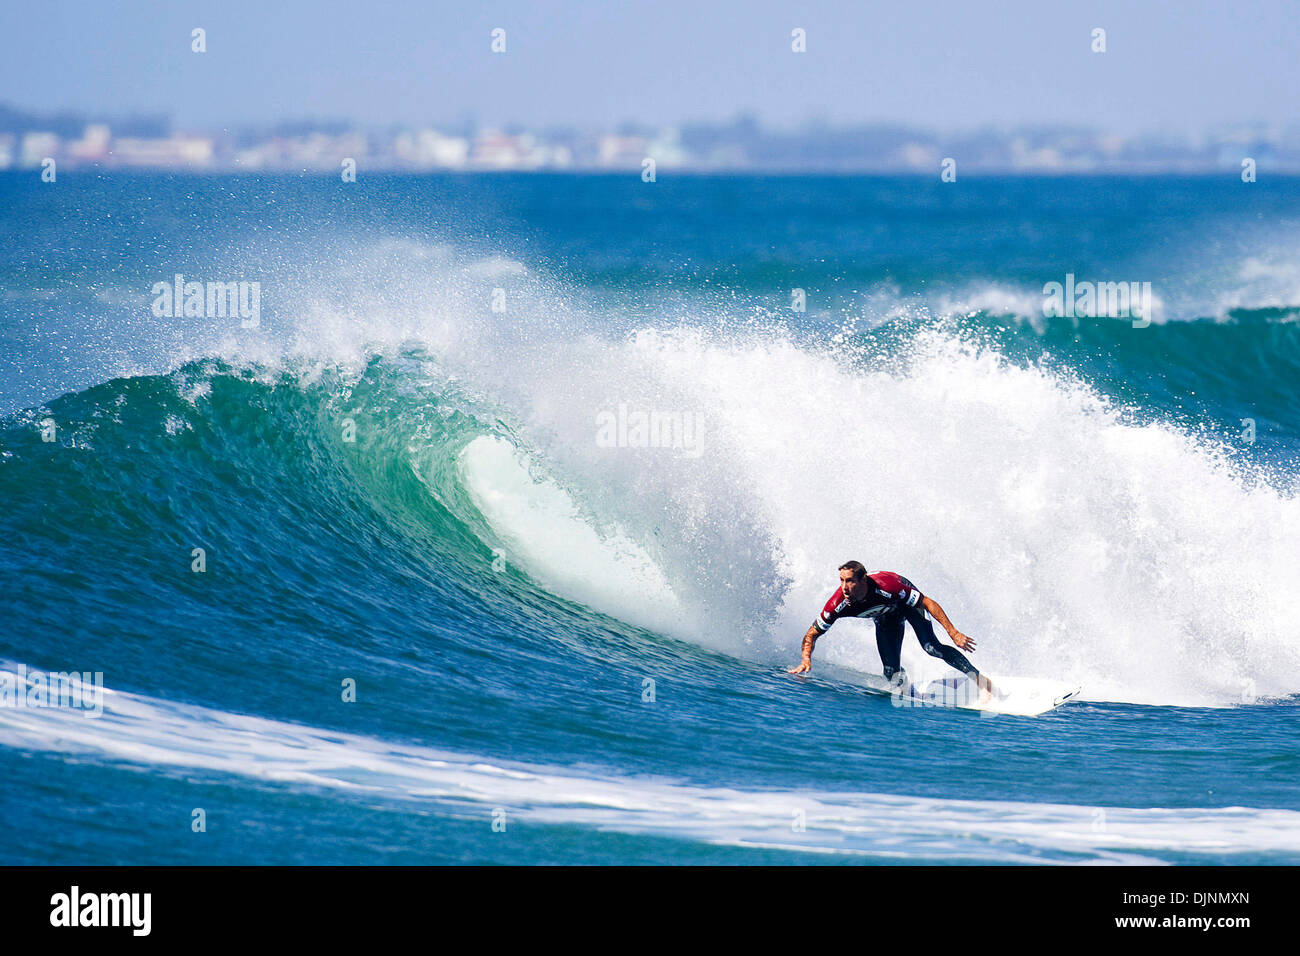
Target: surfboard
x=1017, y=696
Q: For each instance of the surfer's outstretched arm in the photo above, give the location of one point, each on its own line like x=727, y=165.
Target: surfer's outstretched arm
x=809, y=641
x=936, y=612
x=953, y=658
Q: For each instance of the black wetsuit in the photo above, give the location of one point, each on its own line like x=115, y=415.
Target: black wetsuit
x=889, y=641
x=893, y=600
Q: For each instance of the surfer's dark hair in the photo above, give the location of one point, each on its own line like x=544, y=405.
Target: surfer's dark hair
x=856, y=567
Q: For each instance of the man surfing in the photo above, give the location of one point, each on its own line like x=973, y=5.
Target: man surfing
x=892, y=599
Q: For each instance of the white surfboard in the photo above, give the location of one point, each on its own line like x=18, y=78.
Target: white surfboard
x=1020, y=696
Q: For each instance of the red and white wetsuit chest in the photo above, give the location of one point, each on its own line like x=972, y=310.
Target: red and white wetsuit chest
x=889, y=591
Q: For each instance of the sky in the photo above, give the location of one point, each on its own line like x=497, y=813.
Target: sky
x=1175, y=67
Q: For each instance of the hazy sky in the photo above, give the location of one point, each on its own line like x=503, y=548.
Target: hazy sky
x=1178, y=65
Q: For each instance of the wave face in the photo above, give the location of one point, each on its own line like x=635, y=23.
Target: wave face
x=558, y=511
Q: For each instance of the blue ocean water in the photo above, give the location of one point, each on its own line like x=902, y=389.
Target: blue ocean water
x=393, y=575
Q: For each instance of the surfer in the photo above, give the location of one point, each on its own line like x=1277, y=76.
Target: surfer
x=892, y=600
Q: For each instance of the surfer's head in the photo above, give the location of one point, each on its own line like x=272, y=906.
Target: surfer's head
x=853, y=580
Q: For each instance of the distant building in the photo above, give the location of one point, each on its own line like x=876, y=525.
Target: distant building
x=93, y=147
x=26, y=140
x=921, y=157
x=428, y=149
x=1027, y=157
x=621, y=152
x=175, y=151
x=36, y=147
x=496, y=150
x=666, y=149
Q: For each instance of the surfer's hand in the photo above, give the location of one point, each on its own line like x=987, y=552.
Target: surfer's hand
x=963, y=642
x=803, y=668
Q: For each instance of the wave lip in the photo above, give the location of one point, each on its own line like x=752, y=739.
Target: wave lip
x=136, y=729
x=543, y=525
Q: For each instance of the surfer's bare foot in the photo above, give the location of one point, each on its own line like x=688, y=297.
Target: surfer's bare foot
x=986, y=689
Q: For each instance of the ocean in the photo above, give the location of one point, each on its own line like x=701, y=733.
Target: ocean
x=477, y=518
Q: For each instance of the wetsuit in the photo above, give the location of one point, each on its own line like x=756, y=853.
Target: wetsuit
x=891, y=600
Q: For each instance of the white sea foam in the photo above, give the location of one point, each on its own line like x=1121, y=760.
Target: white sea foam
x=138, y=730
x=1028, y=302
x=1266, y=281
x=1073, y=540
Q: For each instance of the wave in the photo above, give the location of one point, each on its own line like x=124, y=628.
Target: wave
x=1080, y=539
x=1259, y=285
x=136, y=730
x=1139, y=559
